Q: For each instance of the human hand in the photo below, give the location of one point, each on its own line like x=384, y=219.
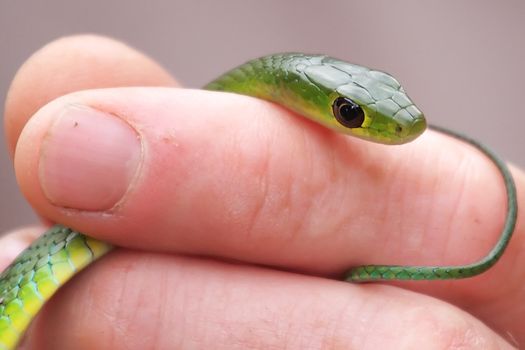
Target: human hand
x=197, y=174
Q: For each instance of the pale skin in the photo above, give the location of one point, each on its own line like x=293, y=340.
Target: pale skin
x=281, y=204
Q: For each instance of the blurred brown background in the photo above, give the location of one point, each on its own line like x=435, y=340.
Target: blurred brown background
x=461, y=61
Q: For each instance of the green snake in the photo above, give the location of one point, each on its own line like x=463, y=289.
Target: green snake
x=344, y=97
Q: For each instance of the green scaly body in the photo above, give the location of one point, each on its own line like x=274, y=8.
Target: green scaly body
x=37, y=273
x=307, y=84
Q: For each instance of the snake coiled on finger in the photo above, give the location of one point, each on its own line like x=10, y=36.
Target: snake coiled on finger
x=344, y=97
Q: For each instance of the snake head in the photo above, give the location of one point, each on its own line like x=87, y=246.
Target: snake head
x=366, y=103
x=389, y=116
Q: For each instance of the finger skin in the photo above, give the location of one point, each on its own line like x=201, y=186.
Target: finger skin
x=310, y=224
x=135, y=300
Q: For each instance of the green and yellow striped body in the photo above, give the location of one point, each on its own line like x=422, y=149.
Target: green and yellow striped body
x=36, y=275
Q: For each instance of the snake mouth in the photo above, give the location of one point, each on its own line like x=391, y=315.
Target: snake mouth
x=396, y=133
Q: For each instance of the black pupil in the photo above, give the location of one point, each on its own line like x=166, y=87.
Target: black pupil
x=348, y=113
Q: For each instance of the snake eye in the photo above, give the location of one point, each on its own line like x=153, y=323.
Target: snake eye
x=347, y=112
